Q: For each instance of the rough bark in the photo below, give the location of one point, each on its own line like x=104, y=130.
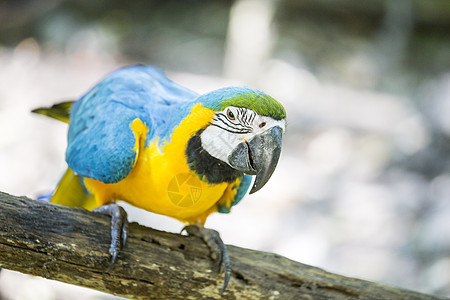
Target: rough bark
x=71, y=245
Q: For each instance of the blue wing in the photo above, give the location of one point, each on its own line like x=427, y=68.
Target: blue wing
x=100, y=140
x=242, y=190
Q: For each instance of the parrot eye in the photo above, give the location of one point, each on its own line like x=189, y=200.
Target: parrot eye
x=230, y=115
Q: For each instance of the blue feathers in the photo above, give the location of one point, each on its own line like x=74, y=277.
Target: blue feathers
x=100, y=140
x=244, y=186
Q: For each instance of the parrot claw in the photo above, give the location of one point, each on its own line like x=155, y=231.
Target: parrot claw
x=217, y=248
x=119, y=229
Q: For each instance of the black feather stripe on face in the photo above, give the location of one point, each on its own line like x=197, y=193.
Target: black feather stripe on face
x=220, y=120
x=208, y=168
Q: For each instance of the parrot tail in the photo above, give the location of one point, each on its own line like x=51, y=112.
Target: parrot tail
x=72, y=192
x=58, y=111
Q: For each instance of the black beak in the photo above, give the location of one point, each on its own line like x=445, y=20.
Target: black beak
x=259, y=156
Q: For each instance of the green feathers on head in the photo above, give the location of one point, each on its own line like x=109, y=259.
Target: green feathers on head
x=262, y=104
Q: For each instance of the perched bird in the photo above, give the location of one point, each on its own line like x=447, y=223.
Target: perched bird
x=139, y=137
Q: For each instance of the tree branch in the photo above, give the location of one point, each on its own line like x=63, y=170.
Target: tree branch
x=71, y=245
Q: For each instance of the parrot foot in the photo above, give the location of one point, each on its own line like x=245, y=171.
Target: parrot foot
x=217, y=248
x=119, y=229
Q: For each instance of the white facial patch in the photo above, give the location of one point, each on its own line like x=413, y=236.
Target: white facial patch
x=232, y=126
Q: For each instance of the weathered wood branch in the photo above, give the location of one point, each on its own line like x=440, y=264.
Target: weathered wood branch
x=71, y=245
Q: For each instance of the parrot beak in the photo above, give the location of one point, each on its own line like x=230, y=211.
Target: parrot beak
x=259, y=156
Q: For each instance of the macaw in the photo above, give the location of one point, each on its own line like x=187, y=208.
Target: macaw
x=139, y=137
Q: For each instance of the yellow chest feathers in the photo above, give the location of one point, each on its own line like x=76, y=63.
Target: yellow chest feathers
x=161, y=181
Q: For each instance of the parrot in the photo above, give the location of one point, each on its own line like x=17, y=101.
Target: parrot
x=139, y=137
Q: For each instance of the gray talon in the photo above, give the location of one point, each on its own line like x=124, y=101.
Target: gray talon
x=119, y=229
x=218, y=250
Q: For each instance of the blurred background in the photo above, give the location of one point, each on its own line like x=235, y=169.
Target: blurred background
x=363, y=185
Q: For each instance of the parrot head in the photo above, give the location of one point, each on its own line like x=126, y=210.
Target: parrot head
x=244, y=136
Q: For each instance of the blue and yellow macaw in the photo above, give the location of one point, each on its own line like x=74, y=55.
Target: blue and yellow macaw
x=139, y=137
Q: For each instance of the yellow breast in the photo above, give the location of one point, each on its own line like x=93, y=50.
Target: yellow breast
x=161, y=181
